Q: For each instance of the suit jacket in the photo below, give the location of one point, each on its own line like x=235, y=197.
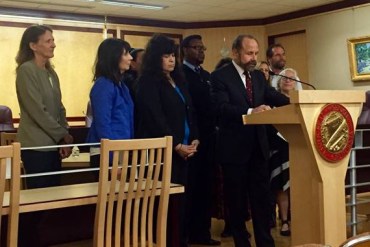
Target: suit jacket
x=160, y=111
x=238, y=141
x=43, y=116
x=200, y=91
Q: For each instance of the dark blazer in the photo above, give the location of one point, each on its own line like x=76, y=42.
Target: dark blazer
x=238, y=141
x=160, y=111
x=200, y=90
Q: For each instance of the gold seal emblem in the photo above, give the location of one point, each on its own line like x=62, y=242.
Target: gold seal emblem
x=334, y=132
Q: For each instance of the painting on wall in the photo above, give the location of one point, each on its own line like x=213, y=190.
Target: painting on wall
x=359, y=58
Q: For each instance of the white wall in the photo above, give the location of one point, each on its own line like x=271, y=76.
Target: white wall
x=327, y=52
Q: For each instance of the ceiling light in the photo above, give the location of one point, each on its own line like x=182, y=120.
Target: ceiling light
x=44, y=4
x=133, y=4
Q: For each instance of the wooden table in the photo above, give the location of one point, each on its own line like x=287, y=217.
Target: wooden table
x=72, y=162
x=80, y=161
x=64, y=196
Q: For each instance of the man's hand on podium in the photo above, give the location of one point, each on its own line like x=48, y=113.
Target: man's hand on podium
x=261, y=108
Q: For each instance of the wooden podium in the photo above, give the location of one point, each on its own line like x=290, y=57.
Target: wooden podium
x=316, y=185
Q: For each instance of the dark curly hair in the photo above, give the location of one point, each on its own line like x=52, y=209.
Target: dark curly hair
x=158, y=46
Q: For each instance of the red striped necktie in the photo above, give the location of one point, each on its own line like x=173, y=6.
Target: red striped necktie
x=248, y=86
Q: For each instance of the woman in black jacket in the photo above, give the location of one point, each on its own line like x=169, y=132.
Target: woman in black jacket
x=163, y=107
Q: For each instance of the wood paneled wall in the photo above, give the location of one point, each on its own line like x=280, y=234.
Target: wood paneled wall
x=76, y=51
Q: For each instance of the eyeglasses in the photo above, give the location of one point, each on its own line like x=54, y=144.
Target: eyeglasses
x=287, y=79
x=198, y=47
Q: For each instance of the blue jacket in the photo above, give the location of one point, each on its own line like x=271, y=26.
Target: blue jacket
x=112, y=111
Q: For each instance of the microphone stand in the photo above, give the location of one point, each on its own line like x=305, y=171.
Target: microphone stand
x=305, y=83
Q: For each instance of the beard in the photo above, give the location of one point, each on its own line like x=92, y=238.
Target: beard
x=280, y=65
x=249, y=66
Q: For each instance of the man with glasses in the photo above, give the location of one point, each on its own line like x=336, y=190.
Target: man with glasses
x=275, y=55
x=200, y=170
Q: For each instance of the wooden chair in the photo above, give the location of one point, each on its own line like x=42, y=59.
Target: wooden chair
x=361, y=240
x=12, y=152
x=6, y=118
x=141, y=171
x=7, y=139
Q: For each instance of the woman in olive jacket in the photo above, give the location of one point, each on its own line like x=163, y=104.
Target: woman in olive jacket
x=43, y=116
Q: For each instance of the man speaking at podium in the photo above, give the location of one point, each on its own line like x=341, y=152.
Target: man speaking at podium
x=238, y=89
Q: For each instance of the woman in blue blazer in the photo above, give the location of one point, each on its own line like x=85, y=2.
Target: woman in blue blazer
x=111, y=103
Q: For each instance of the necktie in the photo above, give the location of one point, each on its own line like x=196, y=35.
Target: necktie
x=248, y=86
x=197, y=70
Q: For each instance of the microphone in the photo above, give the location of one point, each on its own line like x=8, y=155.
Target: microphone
x=305, y=83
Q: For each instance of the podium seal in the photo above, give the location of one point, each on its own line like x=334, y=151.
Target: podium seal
x=334, y=132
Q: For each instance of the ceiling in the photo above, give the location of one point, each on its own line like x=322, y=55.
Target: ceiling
x=177, y=10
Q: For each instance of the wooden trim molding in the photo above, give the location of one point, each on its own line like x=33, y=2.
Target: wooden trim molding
x=315, y=10
x=76, y=119
x=69, y=119
x=182, y=25
x=271, y=38
x=149, y=34
x=231, y=23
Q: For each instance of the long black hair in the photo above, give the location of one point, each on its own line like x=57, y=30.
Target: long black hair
x=30, y=35
x=108, y=58
x=158, y=46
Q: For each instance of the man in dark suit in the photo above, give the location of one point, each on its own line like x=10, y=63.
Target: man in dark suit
x=200, y=166
x=238, y=89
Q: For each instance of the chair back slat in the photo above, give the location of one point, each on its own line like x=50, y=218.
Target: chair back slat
x=146, y=230
x=124, y=175
x=129, y=198
x=138, y=195
x=11, y=152
x=134, y=193
x=111, y=195
x=2, y=183
x=140, y=208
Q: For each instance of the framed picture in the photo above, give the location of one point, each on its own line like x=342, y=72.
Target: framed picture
x=359, y=58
